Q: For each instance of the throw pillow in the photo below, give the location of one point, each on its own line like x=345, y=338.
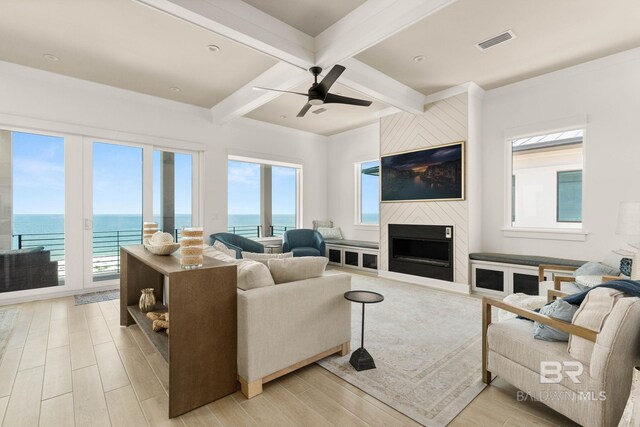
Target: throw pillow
x=322, y=223
x=592, y=314
x=626, y=265
x=252, y=275
x=223, y=248
x=330, y=233
x=212, y=252
x=264, y=258
x=586, y=282
x=596, y=269
x=294, y=269
x=560, y=310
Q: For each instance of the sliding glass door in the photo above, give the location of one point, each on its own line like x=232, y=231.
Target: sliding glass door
x=117, y=205
x=32, y=211
x=172, y=190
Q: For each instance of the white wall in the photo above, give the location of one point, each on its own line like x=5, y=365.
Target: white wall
x=345, y=149
x=40, y=101
x=607, y=92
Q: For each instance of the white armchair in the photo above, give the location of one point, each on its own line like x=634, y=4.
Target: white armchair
x=599, y=393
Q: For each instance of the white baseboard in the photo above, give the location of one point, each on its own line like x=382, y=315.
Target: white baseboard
x=460, y=288
x=53, y=295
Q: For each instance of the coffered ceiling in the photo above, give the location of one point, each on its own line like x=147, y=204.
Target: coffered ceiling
x=550, y=35
x=309, y=16
x=152, y=46
x=128, y=45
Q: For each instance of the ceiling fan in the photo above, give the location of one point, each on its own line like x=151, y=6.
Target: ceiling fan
x=319, y=92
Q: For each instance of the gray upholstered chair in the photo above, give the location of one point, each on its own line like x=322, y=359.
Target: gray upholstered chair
x=237, y=243
x=303, y=242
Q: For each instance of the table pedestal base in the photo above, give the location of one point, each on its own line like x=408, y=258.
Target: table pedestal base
x=361, y=360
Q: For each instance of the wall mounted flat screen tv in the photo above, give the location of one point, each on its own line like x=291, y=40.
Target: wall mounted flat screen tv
x=431, y=174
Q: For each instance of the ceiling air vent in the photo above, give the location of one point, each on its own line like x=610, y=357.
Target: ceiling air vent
x=495, y=40
x=319, y=111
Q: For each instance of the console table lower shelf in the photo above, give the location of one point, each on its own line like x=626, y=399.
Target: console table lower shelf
x=201, y=349
x=160, y=340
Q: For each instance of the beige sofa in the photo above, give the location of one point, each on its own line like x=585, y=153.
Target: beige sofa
x=607, y=351
x=284, y=327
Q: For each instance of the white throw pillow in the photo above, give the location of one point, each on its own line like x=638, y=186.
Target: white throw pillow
x=592, y=314
x=330, y=233
x=223, y=248
x=212, y=252
x=264, y=258
x=252, y=275
x=294, y=269
x=613, y=258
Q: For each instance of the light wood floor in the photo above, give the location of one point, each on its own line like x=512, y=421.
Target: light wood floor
x=71, y=365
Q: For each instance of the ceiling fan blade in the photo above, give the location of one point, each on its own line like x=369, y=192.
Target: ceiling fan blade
x=331, y=78
x=278, y=90
x=304, y=110
x=337, y=99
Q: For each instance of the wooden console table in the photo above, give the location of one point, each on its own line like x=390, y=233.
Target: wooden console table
x=201, y=348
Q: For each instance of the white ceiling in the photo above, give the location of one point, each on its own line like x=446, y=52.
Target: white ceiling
x=309, y=16
x=338, y=118
x=124, y=44
x=551, y=35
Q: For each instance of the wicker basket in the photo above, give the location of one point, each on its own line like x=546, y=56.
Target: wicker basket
x=162, y=249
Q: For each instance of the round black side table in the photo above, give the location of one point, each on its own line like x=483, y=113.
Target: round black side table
x=361, y=360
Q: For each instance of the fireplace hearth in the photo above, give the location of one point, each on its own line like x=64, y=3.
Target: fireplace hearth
x=422, y=250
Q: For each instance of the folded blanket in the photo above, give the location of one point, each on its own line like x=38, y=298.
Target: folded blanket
x=629, y=287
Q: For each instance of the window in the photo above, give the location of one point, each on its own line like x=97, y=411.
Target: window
x=368, y=192
x=172, y=191
x=32, y=208
x=263, y=198
x=547, y=181
x=569, y=190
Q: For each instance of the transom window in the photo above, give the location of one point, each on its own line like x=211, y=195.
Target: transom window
x=546, y=184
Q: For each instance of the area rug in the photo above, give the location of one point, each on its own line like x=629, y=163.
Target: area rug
x=426, y=345
x=96, y=297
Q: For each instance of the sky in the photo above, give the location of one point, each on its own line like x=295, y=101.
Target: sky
x=244, y=189
x=38, y=177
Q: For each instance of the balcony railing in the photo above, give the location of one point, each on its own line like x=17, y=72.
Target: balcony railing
x=246, y=230
x=278, y=230
x=105, y=251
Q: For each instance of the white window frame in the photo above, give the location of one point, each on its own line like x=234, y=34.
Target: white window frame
x=357, y=221
x=570, y=234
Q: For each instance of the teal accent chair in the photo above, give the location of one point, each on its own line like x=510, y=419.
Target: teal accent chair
x=237, y=243
x=303, y=242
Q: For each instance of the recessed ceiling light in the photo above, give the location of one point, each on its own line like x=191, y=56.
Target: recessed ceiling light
x=213, y=48
x=51, y=57
x=283, y=116
x=174, y=89
x=419, y=58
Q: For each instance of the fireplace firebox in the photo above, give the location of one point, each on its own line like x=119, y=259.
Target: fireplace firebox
x=422, y=250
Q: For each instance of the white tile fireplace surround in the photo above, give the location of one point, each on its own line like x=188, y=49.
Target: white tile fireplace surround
x=445, y=121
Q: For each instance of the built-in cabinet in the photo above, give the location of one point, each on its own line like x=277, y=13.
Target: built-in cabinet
x=505, y=279
x=352, y=257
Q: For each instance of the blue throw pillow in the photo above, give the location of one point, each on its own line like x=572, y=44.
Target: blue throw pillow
x=596, y=269
x=626, y=265
x=560, y=310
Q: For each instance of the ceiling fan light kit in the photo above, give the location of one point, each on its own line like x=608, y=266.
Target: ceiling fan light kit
x=319, y=92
